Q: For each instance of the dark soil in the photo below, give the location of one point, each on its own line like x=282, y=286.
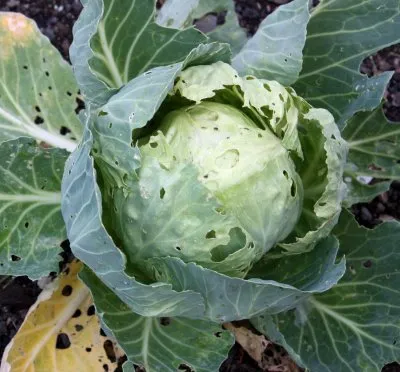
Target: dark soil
x=55, y=19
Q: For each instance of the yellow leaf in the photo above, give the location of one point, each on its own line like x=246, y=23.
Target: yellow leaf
x=61, y=332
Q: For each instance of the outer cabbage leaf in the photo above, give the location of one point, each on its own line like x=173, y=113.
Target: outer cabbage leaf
x=90, y=242
x=176, y=14
x=159, y=344
x=357, y=320
x=37, y=89
x=230, y=299
x=111, y=45
x=275, y=51
x=374, y=145
x=340, y=35
x=31, y=225
x=133, y=106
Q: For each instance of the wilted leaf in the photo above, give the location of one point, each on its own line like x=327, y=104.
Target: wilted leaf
x=61, y=332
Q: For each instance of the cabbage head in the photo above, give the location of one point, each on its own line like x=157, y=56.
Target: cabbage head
x=230, y=168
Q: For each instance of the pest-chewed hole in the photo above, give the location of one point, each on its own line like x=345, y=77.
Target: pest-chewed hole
x=218, y=334
x=281, y=97
x=164, y=321
x=322, y=204
x=110, y=125
x=38, y=120
x=110, y=352
x=26, y=225
x=88, y=349
x=64, y=131
x=367, y=264
x=80, y=105
x=333, y=137
x=69, y=93
x=47, y=73
x=37, y=108
x=260, y=135
x=293, y=189
x=25, y=67
x=162, y=193
x=50, y=87
x=178, y=248
x=78, y=327
x=220, y=210
x=185, y=368
x=63, y=341
x=211, y=235
x=102, y=333
x=249, y=78
x=102, y=113
x=77, y=313
x=91, y=310
x=67, y=291
x=15, y=258
x=153, y=145
x=286, y=174
x=267, y=87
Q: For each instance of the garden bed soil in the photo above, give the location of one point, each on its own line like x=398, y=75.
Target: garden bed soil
x=55, y=18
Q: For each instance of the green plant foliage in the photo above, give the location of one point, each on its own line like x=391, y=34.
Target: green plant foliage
x=374, y=145
x=160, y=344
x=354, y=326
x=340, y=34
x=275, y=51
x=31, y=225
x=38, y=91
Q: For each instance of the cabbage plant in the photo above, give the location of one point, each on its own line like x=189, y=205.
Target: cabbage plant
x=210, y=177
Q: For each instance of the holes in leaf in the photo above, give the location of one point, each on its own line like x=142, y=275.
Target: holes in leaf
x=162, y=193
x=63, y=341
x=267, y=87
x=286, y=174
x=211, y=235
x=78, y=327
x=47, y=73
x=77, y=313
x=178, y=248
x=281, y=97
x=249, y=78
x=164, y=321
x=38, y=120
x=293, y=189
x=285, y=60
x=37, y=108
x=153, y=145
x=322, y=204
x=80, y=105
x=25, y=67
x=218, y=334
x=216, y=128
x=50, y=87
x=69, y=93
x=333, y=137
x=116, y=162
x=110, y=352
x=185, y=368
x=15, y=258
x=260, y=135
x=110, y=125
x=102, y=113
x=66, y=291
x=26, y=225
x=64, y=131
x=367, y=264
x=91, y=310
x=88, y=349
x=205, y=176
x=102, y=333
x=251, y=245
